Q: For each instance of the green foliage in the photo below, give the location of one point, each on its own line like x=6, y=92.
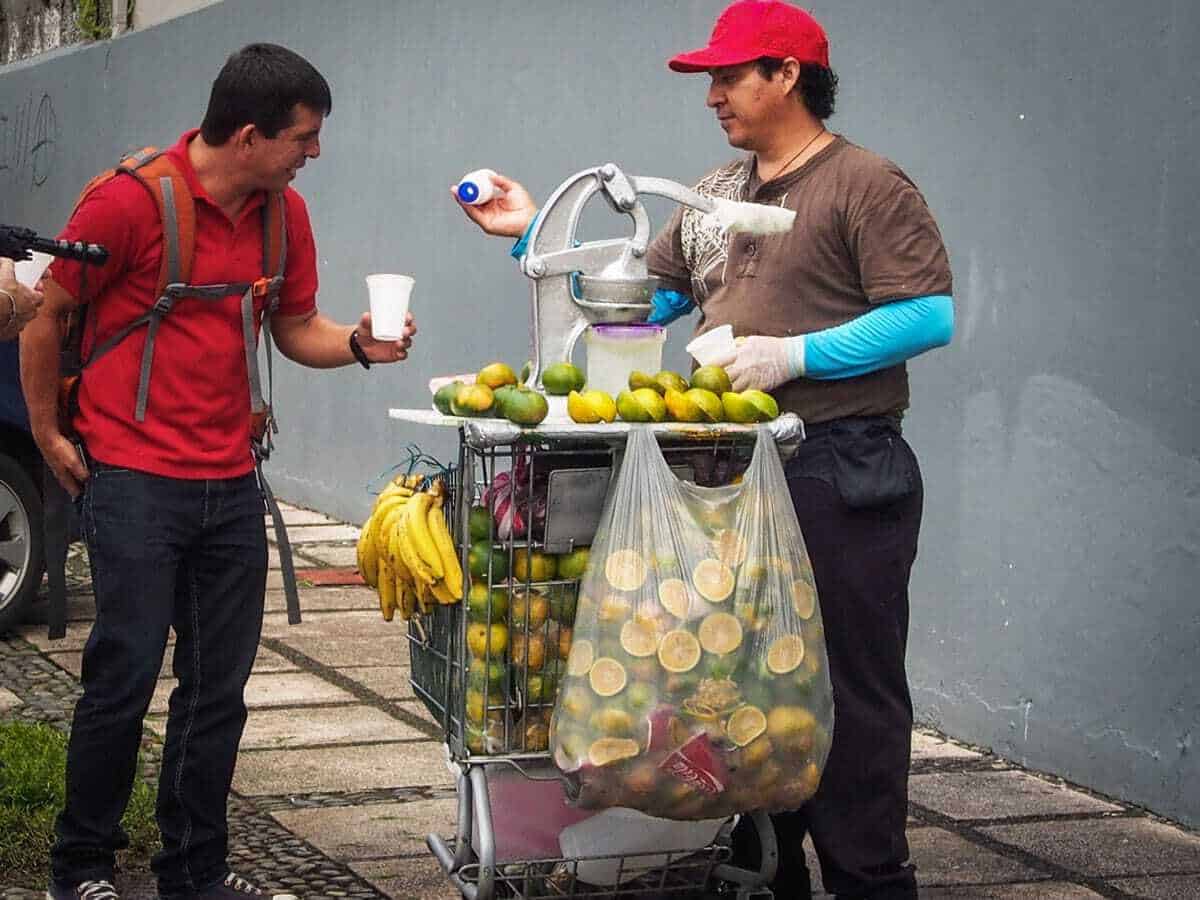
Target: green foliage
x=94, y=18
x=33, y=761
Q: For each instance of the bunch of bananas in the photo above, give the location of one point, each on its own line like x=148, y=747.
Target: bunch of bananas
x=405, y=550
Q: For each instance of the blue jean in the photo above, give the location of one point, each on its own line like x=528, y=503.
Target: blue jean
x=166, y=554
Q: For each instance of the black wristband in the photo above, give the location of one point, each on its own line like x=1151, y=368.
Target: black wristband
x=358, y=351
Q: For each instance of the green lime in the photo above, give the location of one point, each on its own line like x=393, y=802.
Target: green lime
x=712, y=378
x=562, y=378
x=572, y=565
x=480, y=555
x=444, y=395
x=479, y=523
x=489, y=674
x=478, y=603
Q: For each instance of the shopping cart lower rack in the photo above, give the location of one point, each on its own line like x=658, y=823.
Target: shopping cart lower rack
x=487, y=669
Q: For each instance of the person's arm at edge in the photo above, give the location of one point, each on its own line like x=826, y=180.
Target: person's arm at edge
x=40, y=343
x=318, y=342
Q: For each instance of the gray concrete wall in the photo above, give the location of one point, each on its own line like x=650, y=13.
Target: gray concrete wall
x=1052, y=613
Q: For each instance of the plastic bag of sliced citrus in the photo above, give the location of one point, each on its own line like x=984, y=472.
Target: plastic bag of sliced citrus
x=697, y=684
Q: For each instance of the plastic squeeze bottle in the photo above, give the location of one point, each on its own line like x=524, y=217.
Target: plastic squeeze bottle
x=476, y=188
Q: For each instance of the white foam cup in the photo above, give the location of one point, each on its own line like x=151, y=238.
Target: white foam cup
x=30, y=270
x=389, y=305
x=712, y=345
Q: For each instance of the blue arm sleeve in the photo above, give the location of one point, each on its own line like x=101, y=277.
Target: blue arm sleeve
x=885, y=336
x=668, y=305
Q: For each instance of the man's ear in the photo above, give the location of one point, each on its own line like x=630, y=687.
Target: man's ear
x=245, y=137
x=789, y=72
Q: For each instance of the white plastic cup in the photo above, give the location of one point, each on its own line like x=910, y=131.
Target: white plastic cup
x=712, y=345
x=30, y=270
x=389, y=305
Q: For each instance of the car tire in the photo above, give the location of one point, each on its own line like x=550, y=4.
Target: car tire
x=22, y=542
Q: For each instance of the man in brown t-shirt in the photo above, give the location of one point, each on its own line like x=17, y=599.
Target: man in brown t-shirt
x=826, y=315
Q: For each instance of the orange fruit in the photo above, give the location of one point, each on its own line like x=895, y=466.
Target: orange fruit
x=564, y=643
x=729, y=547
x=639, y=638
x=679, y=651
x=533, y=604
x=713, y=579
x=478, y=634
x=579, y=660
x=643, y=778
x=804, y=598
x=673, y=595
x=537, y=737
x=533, y=565
x=529, y=650
x=612, y=721
x=785, y=654
x=745, y=724
x=625, y=570
x=791, y=727
x=607, y=677
x=608, y=750
x=757, y=752
x=576, y=702
x=720, y=633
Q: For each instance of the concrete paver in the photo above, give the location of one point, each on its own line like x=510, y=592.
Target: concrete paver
x=318, y=534
x=387, y=649
x=944, y=858
x=997, y=795
x=269, y=689
x=374, y=830
x=294, y=515
x=389, y=682
x=931, y=747
x=1107, y=847
x=331, y=769
x=1164, y=887
x=279, y=728
x=408, y=879
x=324, y=599
x=336, y=555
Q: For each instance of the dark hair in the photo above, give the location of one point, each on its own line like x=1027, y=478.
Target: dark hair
x=260, y=85
x=816, y=86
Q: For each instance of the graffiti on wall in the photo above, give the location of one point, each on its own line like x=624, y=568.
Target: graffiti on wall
x=28, y=141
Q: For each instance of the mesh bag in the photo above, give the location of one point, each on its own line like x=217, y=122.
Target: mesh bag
x=697, y=683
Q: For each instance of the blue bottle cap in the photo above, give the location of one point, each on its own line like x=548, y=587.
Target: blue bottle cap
x=468, y=191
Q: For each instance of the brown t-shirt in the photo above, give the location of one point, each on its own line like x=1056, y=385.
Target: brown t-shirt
x=863, y=236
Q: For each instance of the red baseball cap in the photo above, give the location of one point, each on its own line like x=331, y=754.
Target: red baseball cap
x=749, y=29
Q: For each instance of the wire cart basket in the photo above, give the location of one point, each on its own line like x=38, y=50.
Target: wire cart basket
x=487, y=668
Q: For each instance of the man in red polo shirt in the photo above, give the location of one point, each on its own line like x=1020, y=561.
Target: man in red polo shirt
x=161, y=466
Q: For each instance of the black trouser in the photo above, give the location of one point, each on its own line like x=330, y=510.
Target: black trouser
x=857, y=491
x=165, y=553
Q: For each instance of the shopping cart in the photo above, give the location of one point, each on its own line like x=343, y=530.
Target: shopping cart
x=486, y=669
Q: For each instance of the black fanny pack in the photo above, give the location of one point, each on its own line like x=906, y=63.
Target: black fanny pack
x=865, y=458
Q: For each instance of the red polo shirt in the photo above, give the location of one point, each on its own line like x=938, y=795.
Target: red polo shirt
x=197, y=422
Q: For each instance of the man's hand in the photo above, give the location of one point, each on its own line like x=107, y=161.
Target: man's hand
x=64, y=461
x=758, y=362
x=25, y=303
x=507, y=215
x=385, y=351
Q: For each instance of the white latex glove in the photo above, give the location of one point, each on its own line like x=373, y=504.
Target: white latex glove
x=759, y=362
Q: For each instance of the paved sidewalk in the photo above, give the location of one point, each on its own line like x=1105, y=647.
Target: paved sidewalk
x=341, y=773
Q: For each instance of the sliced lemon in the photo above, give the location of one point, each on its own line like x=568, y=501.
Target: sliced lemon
x=625, y=570
x=673, y=595
x=639, y=638
x=713, y=579
x=729, y=547
x=785, y=654
x=607, y=677
x=746, y=723
x=608, y=750
x=720, y=633
x=679, y=651
x=581, y=658
x=804, y=598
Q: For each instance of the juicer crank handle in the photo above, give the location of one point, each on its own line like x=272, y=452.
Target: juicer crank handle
x=672, y=190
